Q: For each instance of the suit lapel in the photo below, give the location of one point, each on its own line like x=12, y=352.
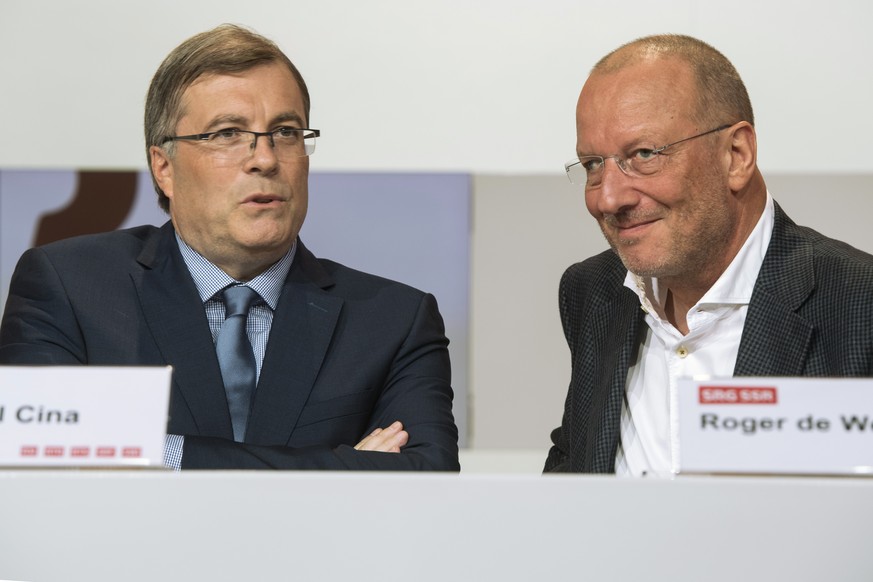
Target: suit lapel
x=618, y=353
x=175, y=316
x=300, y=335
x=776, y=339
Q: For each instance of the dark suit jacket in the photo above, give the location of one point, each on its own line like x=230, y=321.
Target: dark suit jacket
x=811, y=314
x=348, y=352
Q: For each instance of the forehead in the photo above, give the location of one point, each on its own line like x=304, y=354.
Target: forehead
x=648, y=96
x=261, y=90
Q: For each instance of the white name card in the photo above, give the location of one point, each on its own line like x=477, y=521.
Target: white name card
x=83, y=416
x=776, y=425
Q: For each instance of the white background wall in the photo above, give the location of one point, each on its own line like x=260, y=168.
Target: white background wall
x=485, y=87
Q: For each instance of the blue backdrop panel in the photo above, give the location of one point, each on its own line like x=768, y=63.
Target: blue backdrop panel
x=411, y=227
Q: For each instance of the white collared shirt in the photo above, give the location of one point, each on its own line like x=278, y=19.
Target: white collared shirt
x=649, y=423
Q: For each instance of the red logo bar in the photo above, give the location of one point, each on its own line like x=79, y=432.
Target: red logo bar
x=80, y=451
x=54, y=451
x=131, y=452
x=29, y=450
x=737, y=395
x=105, y=451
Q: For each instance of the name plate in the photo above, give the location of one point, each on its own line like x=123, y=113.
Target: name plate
x=83, y=416
x=776, y=425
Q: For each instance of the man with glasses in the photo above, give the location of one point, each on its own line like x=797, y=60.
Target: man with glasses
x=280, y=359
x=707, y=275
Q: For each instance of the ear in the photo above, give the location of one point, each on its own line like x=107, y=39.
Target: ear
x=162, y=170
x=743, y=155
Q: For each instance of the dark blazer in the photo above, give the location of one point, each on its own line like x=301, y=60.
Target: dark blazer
x=811, y=314
x=347, y=352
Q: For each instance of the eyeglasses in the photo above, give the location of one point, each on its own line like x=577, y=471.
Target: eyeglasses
x=232, y=145
x=588, y=170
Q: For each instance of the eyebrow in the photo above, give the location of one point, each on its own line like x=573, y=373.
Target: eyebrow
x=635, y=144
x=287, y=117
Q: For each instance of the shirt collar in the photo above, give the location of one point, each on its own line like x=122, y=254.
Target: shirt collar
x=210, y=279
x=735, y=285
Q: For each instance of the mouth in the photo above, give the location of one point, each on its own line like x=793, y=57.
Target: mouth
x=633, y=226
x=261, y=199
x=630, y=229
x=625, y=224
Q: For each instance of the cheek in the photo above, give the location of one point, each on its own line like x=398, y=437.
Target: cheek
x=199, y=200
x=302, y=205
x=297, y=175
x=591, y=200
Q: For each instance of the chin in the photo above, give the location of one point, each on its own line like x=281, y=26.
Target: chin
x=270, y=245
x=267, y=234
x=643, y=266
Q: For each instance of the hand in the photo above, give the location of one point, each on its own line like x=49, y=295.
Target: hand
x=386, y=440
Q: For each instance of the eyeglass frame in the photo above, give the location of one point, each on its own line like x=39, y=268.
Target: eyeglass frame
x=622, y=162
x=206, y=136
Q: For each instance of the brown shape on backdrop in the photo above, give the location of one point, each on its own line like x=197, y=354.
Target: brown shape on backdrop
x=102, y=202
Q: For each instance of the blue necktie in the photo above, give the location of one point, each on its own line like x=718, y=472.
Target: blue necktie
x=236, y=358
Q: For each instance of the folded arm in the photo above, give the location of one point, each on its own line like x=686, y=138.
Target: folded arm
x=410, y=427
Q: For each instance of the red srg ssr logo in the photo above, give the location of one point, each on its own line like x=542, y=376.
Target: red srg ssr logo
x=737, y=395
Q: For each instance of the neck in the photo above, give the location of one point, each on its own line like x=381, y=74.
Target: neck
x=250, y=267
x=685, y=291
x=676, y=305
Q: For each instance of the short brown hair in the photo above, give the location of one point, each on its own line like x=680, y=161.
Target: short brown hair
x=225, y=49
x=721, y=95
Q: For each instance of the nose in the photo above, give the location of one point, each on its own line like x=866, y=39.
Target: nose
x=614, y=193
x=263, y=154
x=267, y=136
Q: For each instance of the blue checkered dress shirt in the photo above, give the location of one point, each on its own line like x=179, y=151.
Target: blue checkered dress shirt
x=210, y=281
